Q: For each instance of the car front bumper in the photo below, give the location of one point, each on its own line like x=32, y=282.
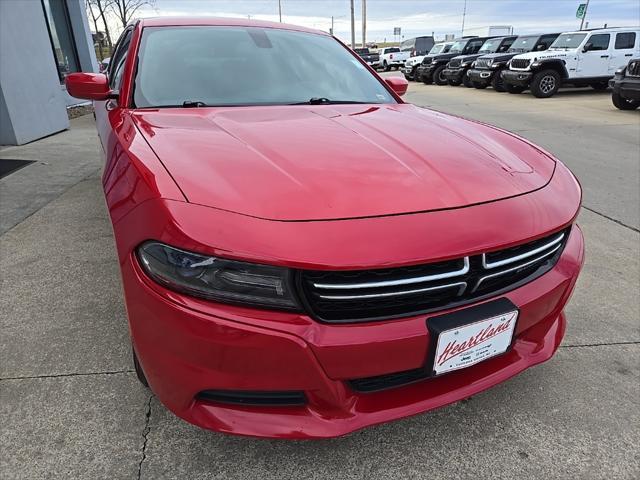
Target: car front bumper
x=513, y=77
x=627, y=87
x=482, y=77
x=454, y=74
x=187, y=346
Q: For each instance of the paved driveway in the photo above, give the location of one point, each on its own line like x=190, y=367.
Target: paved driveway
x=70, y=406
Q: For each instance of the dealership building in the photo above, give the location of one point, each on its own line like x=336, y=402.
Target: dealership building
x=41, y=41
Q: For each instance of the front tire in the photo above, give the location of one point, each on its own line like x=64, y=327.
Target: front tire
x=386, y=66
x=438, y=78
x=479, y=86
x=623, y=103
x=466, y=81
x=427, y=80
x=497, y=83
x=453, y=83
x=139, y=373
x=545, y=84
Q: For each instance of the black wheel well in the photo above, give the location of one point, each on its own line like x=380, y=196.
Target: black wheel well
x=557, y=65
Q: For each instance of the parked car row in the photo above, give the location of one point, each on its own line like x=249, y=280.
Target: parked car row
x=540, y=63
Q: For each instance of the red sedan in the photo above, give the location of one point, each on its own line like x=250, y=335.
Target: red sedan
x=304, y=254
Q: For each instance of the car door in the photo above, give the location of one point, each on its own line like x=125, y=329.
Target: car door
x=625, y=47
x=595, y=61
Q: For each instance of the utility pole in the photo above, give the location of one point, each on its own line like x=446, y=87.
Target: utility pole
x=464, y=14
x=364, y=23
x=280, y=10
x=584, y=15
x=331, y=25
x=353, y=27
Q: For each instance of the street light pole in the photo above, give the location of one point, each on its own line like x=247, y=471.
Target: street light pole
x=464, y=14
x=584, y=15
x=353, y=27
x=280, y=10
x=364, y=23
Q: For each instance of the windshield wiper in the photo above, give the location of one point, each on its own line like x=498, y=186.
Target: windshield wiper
x=326, y=101
x=192, y=104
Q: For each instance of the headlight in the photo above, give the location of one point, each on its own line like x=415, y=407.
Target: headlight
x=496, y=64
x=465, y=64
x=217, y=279
x=620, y=71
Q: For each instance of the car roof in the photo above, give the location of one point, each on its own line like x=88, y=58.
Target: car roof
x=221, y=22
x=608, y=29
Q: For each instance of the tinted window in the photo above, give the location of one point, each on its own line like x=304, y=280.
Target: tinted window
x=408, y=44
x=473, y=46
x=599, y=41
x=248, y=66
x=458, y=46
x=116, y=66
x=625, y=40
x=391, y=50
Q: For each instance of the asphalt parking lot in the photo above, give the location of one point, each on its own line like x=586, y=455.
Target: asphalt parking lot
x=71, y=407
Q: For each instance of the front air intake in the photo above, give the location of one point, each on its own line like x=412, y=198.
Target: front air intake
x=254, y=398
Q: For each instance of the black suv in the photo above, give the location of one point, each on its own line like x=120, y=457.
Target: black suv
x=626, y=86
x=487, y=69
x=457, y=68
x=431, y=68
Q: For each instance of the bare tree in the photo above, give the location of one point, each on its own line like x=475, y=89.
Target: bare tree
x=94, y=17
x=126, y=9
x=98, y=11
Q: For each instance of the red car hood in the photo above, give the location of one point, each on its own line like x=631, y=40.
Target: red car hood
x=338, y=161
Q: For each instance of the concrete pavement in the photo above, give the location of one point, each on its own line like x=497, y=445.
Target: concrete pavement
x=70, y=406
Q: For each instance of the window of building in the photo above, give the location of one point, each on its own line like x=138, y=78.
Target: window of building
x=62, y=42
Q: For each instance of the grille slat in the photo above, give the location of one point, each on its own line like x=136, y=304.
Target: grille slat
x=483, y=63
x=366, y=295
x=520, y=63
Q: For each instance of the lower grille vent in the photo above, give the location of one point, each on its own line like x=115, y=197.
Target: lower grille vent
x=254, y=398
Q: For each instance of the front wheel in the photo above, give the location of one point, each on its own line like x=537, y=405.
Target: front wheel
x=466, y=81
x=545, y=84
x=139, y=373
x=427, y=80
x=623, y=103
x=386, y=66
x=497, y=83
x=453, y=83
x=438, y=78
x=479, y=86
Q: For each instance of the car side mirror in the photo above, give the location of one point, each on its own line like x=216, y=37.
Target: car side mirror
x=397, y=84
x=89, y=86
x=587, y=47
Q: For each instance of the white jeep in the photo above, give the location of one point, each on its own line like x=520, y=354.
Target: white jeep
x=580, y=59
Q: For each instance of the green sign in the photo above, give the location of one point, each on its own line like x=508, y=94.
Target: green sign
x=582, y=8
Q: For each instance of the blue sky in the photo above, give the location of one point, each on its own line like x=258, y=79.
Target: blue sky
x=414, y=16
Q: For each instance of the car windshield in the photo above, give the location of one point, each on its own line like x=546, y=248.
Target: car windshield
x=237, y=66
x=490, y=46
x=568, y=40
x=438, y=48
x=523, y=44
x=458, y=46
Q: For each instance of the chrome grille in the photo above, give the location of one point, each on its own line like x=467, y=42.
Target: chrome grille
x=454, y=63
x=366, y=295
x=520, y=63
x=483, y=62
x=633, y=70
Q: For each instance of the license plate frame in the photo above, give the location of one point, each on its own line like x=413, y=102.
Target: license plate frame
x=464, y=321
